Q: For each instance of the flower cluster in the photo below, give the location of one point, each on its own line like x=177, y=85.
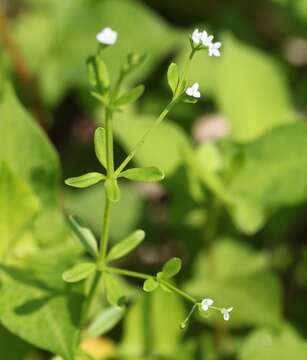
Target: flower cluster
x=204, y=39
x=206, y=304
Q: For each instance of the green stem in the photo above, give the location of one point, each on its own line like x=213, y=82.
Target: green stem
x=128, y=273
x=105, y=233
x=179, y=291
x=109, y=141
x=90, y=296
x=138, y=275
x=106, y=218
x=130, y=156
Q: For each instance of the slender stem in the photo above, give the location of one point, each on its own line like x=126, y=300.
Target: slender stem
x=109, y=141
x=179, y=291
x=130, y=156
x=138, y=275
x=105, y=233
x=90, y=296
x=128, y=273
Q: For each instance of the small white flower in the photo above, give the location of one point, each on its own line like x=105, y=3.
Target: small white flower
x=193, y=91
x=206, y=303
x=214, y=49
x=206, y=39
x=196, y=37
x=107, y=36
x=225, y=313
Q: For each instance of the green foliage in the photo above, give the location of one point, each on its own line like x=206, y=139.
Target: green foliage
x=150, y=285
x=240, y=277
x=173, y=77
x=126, y=245
x=97, y=72
x=18, y=206
x=114, y=290
x=266, y=99
x=129, y=130
x=105, y=321
x=150, y=173
x=130, y=97
x=100, y=146
x=84, y=236
x=263, y=344
x=218, y=195
x=33, y=294
x=171, y=268
x=79, y=272
x=151, y=327
x=85, y=180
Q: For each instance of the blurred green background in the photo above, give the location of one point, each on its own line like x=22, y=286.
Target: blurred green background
x=233, y=204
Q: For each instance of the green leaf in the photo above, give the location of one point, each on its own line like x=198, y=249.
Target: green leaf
x=85, y=180
x=173, y=77
x=37, y=165
x=242, y=278
x=150, y=285
x=112, y=190
x=272, y=175
x=18, y=207
x=105, y=321
x=150, y=173
x=100, y=146
x=126, y=245
x=84, y=235
x=268, y=345
x=97, y=72
x=114, y=290
x=33, y=293
x=171, y=268
x=130, y=97
x=246, y=97
x=79, y=272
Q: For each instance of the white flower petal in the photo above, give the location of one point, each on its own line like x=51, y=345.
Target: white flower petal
x=107, y=36
x=206, y=303
x=196, y=37
x=189, y=91
x=226, y=316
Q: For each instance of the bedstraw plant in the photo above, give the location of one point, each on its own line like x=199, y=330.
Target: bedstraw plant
x=114, y=100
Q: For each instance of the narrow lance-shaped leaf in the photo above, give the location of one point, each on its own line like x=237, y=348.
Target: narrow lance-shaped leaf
x=113, y=289
x=150, y=285
x=150, y=173
x=105, y=321
x=100, y=146
x=79, y=272
x=112, y=190
x=131, y=96
x=84, y=235
x=126, y=245
x=171, y=268
x=97, y=73
x=85, y=180
x=173, y=77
